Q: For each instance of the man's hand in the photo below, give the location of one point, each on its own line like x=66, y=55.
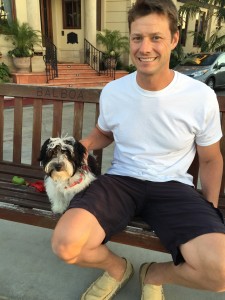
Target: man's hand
x=97, y=139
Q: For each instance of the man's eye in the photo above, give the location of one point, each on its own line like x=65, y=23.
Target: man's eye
x=136, y=38
x=156, y=38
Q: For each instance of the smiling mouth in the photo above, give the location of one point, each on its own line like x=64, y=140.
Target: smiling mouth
x=147, y=59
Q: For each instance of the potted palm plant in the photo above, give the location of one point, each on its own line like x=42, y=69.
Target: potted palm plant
x=114, y=44
x=23, y=38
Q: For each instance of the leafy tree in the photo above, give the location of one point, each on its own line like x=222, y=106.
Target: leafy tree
x=214, y=42
x=214, y=8
x=176, y=55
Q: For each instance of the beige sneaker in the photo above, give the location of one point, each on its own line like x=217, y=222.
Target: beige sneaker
x=149, y=291
x=105, y=287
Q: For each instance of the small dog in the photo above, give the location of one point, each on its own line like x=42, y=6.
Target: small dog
x=68, y=170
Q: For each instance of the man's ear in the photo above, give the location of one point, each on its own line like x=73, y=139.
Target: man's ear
x=175, y=40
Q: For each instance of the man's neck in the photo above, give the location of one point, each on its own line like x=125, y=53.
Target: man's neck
x=155, y=82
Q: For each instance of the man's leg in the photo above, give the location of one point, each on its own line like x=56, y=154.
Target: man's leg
x=204, y=266
x=77, y=239
x=78, y=236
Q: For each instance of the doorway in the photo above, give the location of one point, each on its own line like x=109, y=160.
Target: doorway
x=46, y=19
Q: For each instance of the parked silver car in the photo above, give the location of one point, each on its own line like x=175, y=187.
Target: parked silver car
x=206, y=67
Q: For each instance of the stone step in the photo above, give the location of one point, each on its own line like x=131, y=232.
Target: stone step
x=80, y=79
x=77, y=73
x=79, y=85
x=74, y=66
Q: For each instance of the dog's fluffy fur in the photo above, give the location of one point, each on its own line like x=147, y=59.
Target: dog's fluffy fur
x=67, y=170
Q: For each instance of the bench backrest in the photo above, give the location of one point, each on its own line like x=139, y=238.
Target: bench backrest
x=56, y=111
x=49, y=111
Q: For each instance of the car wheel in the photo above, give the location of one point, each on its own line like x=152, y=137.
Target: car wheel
x=211, y=83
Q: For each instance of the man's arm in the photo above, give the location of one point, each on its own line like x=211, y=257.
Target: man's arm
x=211, y=168
x=97, y=139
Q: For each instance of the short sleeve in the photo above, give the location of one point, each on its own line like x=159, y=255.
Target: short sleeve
x=211, y=128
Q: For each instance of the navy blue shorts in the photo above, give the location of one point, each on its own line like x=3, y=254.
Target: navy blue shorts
x=175, y=211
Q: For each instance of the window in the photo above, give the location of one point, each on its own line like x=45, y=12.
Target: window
x=71, y=14
x=221, y=59
x=183, y=28
x=199, y=35
x=7, y=11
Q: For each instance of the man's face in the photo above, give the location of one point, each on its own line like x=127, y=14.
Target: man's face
x=151, y=44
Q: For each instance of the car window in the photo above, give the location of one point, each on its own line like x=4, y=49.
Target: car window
x=200, y=60
x=221, y=59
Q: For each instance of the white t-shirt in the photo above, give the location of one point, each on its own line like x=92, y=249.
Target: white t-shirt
x=155, y=132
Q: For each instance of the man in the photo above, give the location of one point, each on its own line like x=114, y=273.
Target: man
x=157, y=119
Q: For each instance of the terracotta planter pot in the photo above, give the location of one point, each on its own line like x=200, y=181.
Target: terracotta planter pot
x=22, y=64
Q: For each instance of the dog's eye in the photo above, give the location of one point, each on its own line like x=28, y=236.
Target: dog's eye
x=55, y=151
x=52, y=152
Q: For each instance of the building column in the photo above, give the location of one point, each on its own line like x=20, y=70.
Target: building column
x=90, y=12
x=33, y=14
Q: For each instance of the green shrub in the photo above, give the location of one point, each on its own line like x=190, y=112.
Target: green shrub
x=4, y=73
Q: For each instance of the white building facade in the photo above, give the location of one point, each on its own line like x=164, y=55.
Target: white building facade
x=57, y=19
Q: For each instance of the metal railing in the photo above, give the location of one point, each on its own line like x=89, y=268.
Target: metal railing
x=50, y=58
x=99, y=61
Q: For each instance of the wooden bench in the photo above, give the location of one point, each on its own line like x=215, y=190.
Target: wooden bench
x=36, y=113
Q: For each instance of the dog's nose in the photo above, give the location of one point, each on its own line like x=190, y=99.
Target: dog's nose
x=58, y=167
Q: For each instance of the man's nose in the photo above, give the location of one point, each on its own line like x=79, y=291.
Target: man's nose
x=146, y=46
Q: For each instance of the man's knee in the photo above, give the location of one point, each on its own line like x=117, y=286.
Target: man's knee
x=66, y=250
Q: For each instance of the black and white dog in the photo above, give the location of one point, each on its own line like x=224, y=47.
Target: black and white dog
x=68, y=170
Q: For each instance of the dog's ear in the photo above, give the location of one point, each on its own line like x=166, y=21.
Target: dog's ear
x=79, y=151
x=43, y=151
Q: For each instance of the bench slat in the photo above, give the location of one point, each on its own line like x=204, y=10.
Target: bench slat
x=23, y=200
x=1, y=126
x=23, y=191
x=28, y=216
x=37, y=130
x=17, y=137
x=57, y=119
x=22, y=170
x=78, y=120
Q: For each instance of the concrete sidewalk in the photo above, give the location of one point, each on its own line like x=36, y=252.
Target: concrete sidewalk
x=29, y=270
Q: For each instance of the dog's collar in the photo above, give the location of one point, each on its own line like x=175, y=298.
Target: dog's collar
x=76, y=182
x=84, y=169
